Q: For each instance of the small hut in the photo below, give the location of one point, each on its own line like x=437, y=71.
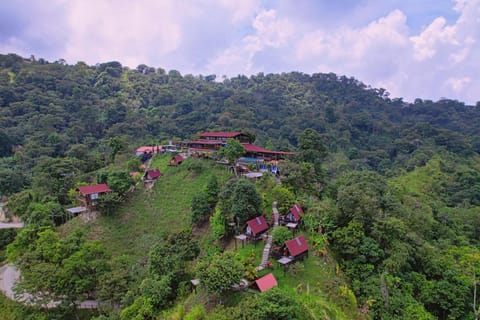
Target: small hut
x=297, y=248
x=148, y=150
x=151, y=175
x=90, y=194
x=255, y=228
x=176, y=160
x=266, y=282
x=294, y=215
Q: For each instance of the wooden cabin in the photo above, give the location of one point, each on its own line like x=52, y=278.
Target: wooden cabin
x=152, y=174
x=266, y=282
x=176, y=160
x=89, y=195
x=297, y=248
x=294, y=215
x=255, y=228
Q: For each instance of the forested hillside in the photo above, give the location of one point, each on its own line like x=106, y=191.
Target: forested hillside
x=392, y=188
x=52, y=109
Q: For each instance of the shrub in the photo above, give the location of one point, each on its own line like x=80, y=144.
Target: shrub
x=280, y=235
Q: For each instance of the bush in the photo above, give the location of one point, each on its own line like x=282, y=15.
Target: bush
x=200, y=207
x=284, y=197
x=217, y=224
x=280, y=235
x=273, y=304
x=197, y=313
x=133, y=164
x=195, y=166
x=158, y=291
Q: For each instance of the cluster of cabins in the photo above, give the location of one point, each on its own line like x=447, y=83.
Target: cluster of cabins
x=206, y=144
x=293, y=250
x=257, y=227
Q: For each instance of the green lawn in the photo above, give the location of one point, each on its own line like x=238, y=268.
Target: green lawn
x=147, y=215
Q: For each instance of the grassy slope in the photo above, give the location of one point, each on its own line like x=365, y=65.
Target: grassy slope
x=146, y=215
x=149, y=214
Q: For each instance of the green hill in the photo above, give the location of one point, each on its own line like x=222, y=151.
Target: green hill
x=391, y=191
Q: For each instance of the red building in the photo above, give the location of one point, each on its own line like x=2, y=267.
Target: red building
x=90, y=194
x=176, y=160
x=266, y=282
x=294, y=214
x=255, y=227
x=297, y=247
x=148, y=149
x=152, y=174
x=212, y=141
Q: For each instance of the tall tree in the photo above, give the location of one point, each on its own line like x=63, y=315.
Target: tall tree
x=220, y=273
x=232, y=151
x=311, y=149
x=241, y=201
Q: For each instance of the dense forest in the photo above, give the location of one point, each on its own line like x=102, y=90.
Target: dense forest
x=394, y=186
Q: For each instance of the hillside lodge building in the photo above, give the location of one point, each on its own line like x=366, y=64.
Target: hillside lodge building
x=208, y=142
x=90, y=194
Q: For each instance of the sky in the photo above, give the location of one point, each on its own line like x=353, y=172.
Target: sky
x=427, y=49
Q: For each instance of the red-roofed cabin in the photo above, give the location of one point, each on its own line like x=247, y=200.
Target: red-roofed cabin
x=256, y=227
x=176, y=160
x=90, y=194
x=148, y=149
x=294, y=214
x=297, y=247
x=266, y=282
x=153, y=174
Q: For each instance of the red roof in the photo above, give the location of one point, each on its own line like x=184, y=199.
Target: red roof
x=253, y=148
x=296, y=211
x=153, y=174
x=96, y=188
x=295, y=215
x=220, y=134
x=258, y=225
x=178, y=158
x=297, y=246
x=147, y=149
x=266, y=282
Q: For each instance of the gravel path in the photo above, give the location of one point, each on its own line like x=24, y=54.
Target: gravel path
x=8, y=276
x=9, y=225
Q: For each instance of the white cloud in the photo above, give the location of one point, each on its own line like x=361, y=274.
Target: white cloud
x=124, y=31
x=269, y=32
x=241, y=10
x=440, y=61
x=457, y=84
x=408, y=47
x=371, y=53
x=434, y=36
x=354, y=44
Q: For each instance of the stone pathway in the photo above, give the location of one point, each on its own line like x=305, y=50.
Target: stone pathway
x=268, y=243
